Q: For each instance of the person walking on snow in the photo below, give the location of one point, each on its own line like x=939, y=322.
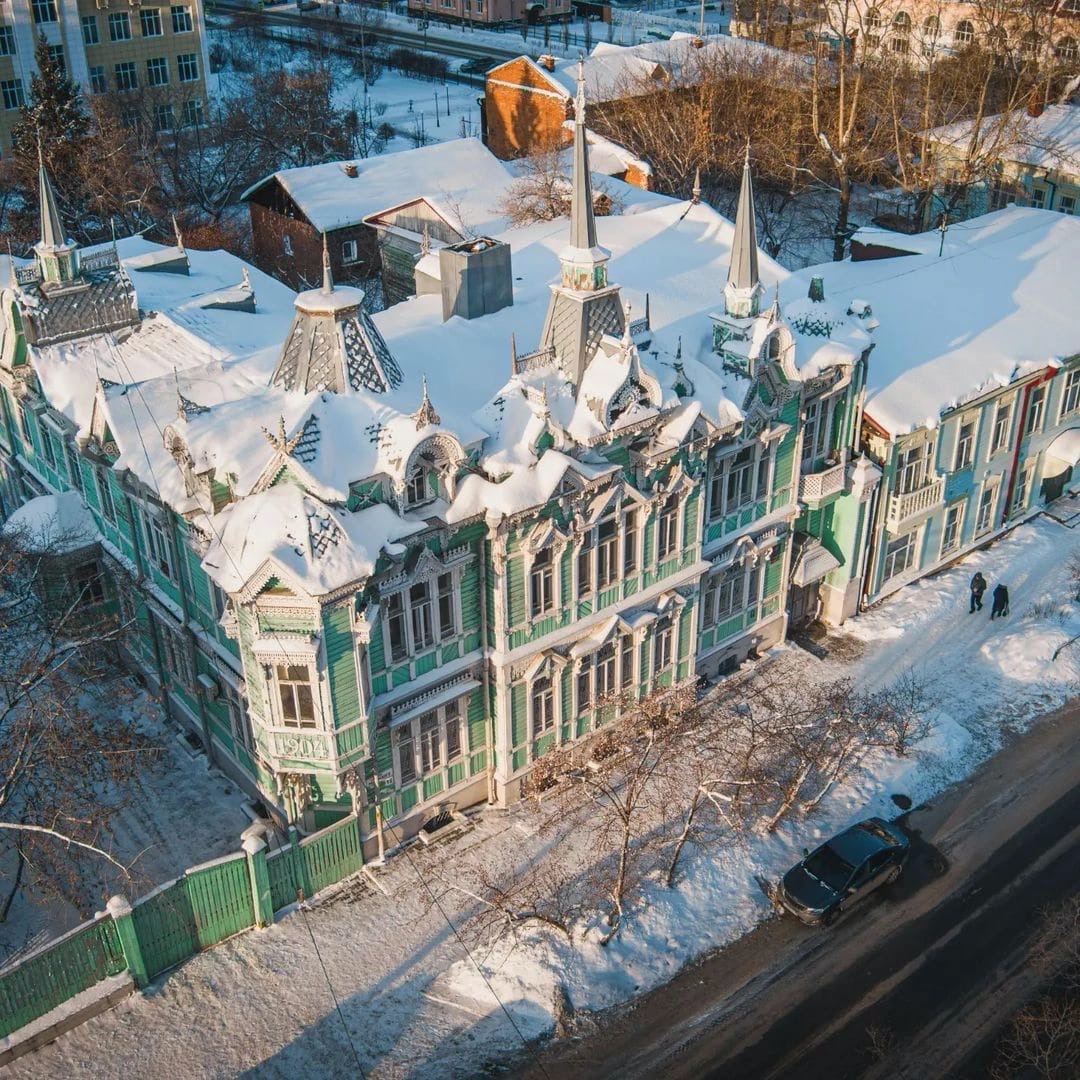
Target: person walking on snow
x=978, y=587
x=1001, y=602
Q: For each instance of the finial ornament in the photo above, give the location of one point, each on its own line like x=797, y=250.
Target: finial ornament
x=280, y=440
x=12, y=280
x=246, y=278
x=579, y=100
x=179, y=236
x=627, y=340
x=695, y=191
x=425, y=415
x=327, y=277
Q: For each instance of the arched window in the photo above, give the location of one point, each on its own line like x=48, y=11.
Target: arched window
x=964, y=34
x=873, y=20
x=997, y=41
x=417, y=490
x=1029, y=43
x=931, y=27
x=901, y=32
x=1066, y=49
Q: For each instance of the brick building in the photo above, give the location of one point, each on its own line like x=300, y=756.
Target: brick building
x=122, y=46
x=356, y=208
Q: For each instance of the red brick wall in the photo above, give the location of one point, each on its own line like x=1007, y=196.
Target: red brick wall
x=526, y=115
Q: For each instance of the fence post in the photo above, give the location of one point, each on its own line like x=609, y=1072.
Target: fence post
x=301, y=877
x=120, y=910
x=255, y=849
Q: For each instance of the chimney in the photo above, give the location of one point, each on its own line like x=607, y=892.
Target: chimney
x=350, y=170
x=817, y=289
x=547, y=62
x=475, y=278
x=697, y=42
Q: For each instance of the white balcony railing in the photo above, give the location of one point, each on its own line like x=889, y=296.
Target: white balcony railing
x=904, y=507
x=818, y=485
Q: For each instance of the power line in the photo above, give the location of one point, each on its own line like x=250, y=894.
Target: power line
x=228, y=555
x=468, y=952
x=434, y=898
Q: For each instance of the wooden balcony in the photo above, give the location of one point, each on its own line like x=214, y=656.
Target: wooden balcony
x=813, y=487
x=904, y=507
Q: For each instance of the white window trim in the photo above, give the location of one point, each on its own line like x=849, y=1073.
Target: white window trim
x=1004, y=403
x=943, y=551
x=432, y=582
x=318, y=702
x=973, y=419
x=992, y=484
x=558, y=550
x=915, y=538
x=412, y=729
x=555, y=678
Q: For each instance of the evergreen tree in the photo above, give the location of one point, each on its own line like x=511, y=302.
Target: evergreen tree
x=56, y=116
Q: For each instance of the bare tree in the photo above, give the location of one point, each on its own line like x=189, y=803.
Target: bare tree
x=67, y=750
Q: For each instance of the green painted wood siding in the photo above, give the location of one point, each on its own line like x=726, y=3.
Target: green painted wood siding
x=515, y=590
x=341, y=664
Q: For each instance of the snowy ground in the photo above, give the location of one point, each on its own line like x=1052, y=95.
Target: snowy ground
x=411, y=1000
x=180, y=813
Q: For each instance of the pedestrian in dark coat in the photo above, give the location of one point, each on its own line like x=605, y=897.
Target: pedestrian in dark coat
x=978, y=587
x=1001, y=602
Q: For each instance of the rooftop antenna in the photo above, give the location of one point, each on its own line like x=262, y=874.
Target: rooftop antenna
x=513, y=353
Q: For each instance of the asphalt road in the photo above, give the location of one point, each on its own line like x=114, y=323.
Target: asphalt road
x=911, y=983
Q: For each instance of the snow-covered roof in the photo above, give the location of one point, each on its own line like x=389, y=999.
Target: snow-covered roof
x=613, y=70
x=315, y=546
x=1048, y=141
x=55, y=524
x=460, y=179
x=609, y=157
x=1000, y=301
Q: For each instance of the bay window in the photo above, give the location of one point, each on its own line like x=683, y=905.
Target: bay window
x=295, y=695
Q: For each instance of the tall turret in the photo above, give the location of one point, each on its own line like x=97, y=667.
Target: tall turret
x=583, y=306
x=58, y=257
x=742, y=293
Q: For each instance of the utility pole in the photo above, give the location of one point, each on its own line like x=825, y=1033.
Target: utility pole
x=943, y=228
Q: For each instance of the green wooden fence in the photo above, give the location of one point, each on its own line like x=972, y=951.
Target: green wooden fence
x=180, y=918
x=70, y=965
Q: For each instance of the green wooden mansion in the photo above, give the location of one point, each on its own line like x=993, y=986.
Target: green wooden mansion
x=384, y=563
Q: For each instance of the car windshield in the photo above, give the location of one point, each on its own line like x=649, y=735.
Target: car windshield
x=829, y=868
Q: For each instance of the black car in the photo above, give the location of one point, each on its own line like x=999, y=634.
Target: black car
x=844, y=870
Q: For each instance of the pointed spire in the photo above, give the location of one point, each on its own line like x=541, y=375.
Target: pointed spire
x=582, y=219
x=176, y=232
x=627, y=340
x=245, y=278
x=695, y=191
x=13, y=282
x=52, y=228
x=425, y=415
x=743, y=292
x=743, y=272
x=513, y=353
x=327, y=276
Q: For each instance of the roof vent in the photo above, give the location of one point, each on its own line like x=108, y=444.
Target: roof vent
x=547, y=62
x=475, y=278
x=350, y=170
x=816, y=292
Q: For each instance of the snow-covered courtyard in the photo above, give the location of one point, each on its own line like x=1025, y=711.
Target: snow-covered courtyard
x=378, y=974
x=180, y=812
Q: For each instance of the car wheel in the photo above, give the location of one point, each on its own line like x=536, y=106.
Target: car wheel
x=829, y=917
x=894, y=874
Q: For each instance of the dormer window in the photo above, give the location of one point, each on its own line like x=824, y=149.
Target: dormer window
x=417, y=487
